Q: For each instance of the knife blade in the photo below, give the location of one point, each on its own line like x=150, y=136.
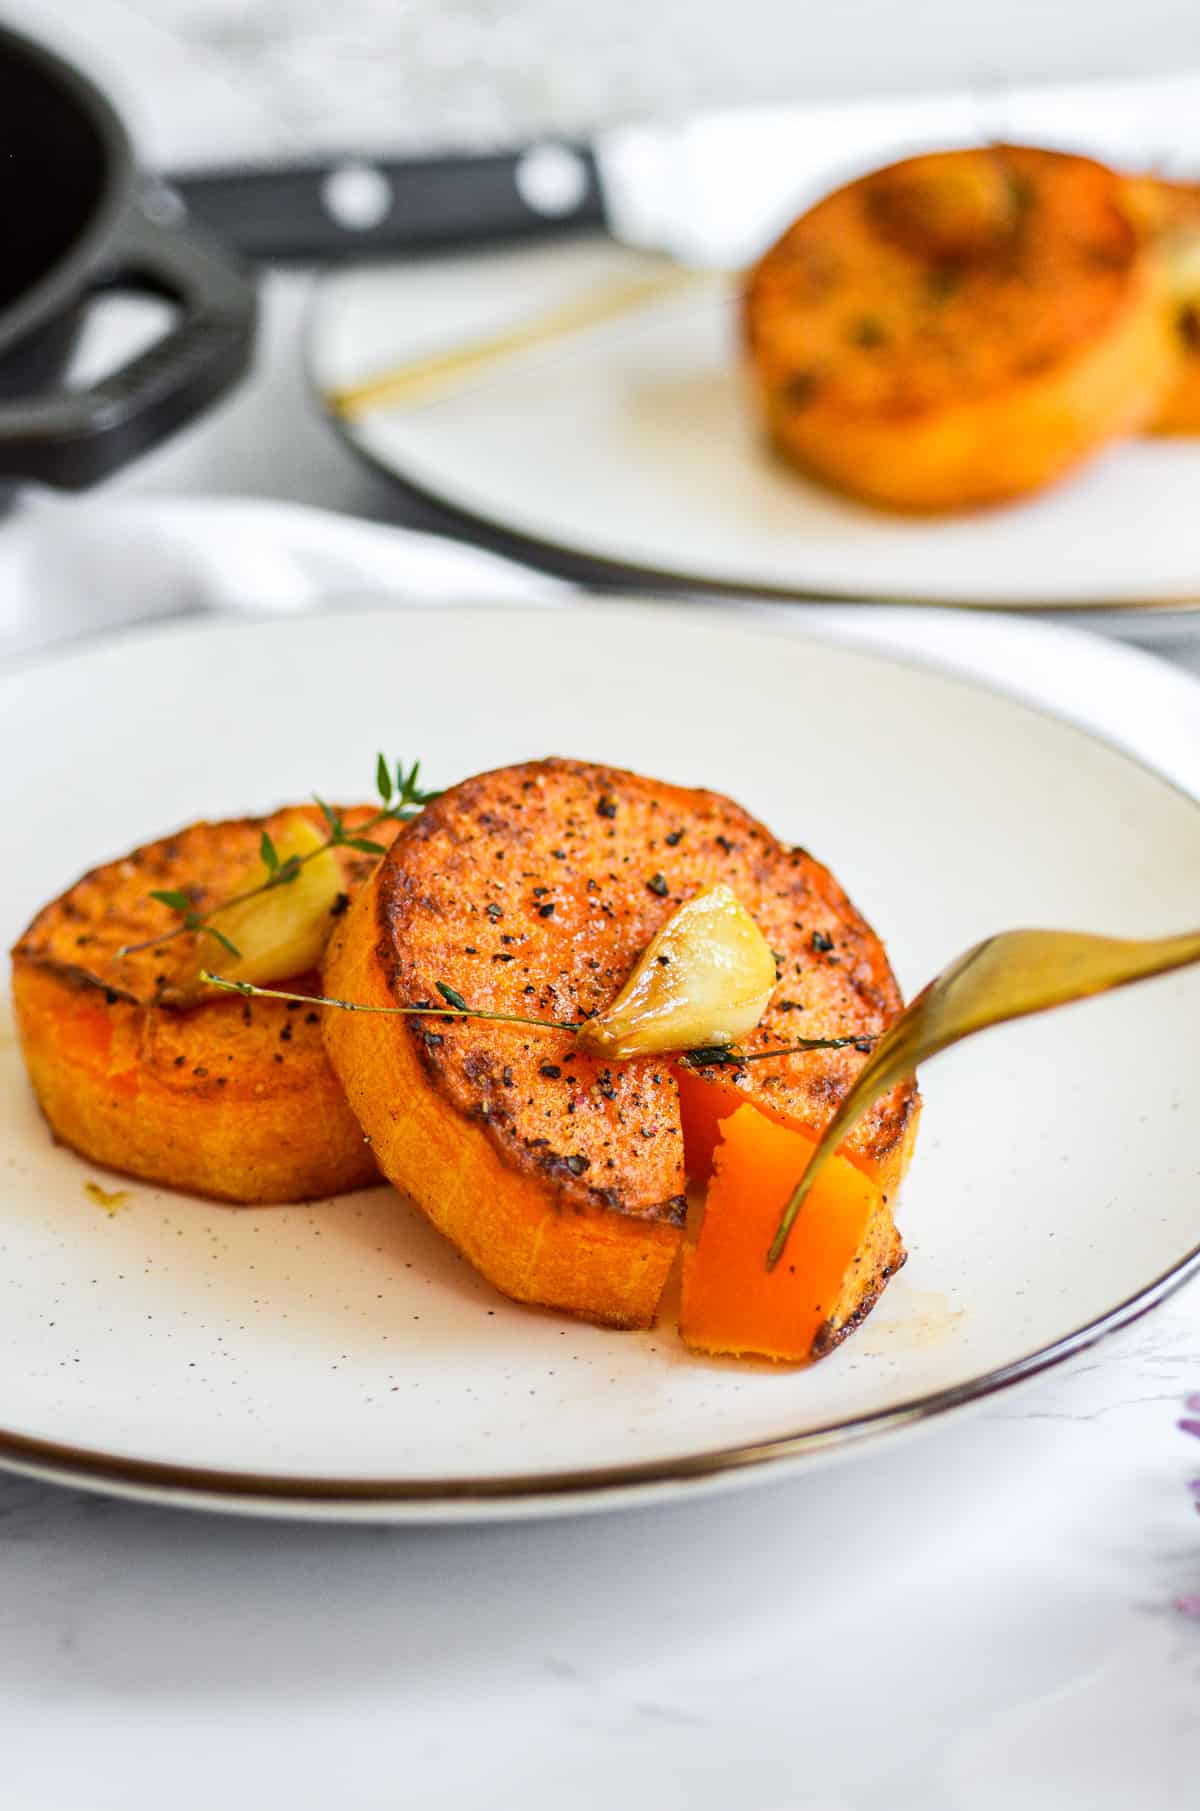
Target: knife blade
x=711, y=189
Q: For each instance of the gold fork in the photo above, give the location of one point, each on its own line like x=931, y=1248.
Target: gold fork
x=1006, y=977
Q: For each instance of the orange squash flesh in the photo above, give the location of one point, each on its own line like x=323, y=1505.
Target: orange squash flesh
x=841, y=1251
x=705, y=1102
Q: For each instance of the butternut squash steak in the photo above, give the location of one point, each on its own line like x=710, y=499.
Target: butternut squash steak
x=959, y=328
x=532, y=890
x=223, y=1097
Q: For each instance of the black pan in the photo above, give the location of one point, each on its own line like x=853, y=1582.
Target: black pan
x=75, y=221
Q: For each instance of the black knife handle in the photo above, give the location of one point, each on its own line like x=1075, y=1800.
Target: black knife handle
x=357, y=207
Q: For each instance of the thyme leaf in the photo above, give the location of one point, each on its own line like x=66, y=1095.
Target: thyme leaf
x=401, y=801
x=210, y=930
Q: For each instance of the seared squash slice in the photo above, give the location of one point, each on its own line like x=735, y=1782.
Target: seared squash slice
x=532, y=890
x=229, y=1098
x=1169, y=215
x=959, y=328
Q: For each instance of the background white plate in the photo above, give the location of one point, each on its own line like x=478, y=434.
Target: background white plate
x=633, y=444
x=338, y=1358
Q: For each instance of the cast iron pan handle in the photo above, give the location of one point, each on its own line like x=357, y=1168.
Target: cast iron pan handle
x=72, y=438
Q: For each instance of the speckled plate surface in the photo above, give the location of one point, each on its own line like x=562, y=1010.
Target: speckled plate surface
x=338, y=1359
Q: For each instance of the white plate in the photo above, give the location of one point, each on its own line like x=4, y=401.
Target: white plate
x=632, y=444
x=338, y=1359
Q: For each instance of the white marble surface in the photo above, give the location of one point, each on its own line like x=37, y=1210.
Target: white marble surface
x=981, y=1617
x=432, y=72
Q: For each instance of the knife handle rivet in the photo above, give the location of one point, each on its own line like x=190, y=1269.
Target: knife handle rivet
x=161, y=204
x=551, y=179
x=357, y=196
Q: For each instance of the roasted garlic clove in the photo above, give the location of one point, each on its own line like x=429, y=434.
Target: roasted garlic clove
x=705, y=979
x=282, y=931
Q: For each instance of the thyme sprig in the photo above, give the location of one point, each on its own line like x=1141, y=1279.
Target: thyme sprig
x=400, y=800
x=455, y=1007
x=447, y=1011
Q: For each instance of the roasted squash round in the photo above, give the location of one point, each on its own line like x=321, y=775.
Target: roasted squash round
x=226, y=1097
x=958, y=328
x=532, y=891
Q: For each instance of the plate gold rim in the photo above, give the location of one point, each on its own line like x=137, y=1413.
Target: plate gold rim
x=186, y=1486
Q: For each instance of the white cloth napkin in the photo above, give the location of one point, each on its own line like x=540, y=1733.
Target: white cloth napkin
x=70, y=569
